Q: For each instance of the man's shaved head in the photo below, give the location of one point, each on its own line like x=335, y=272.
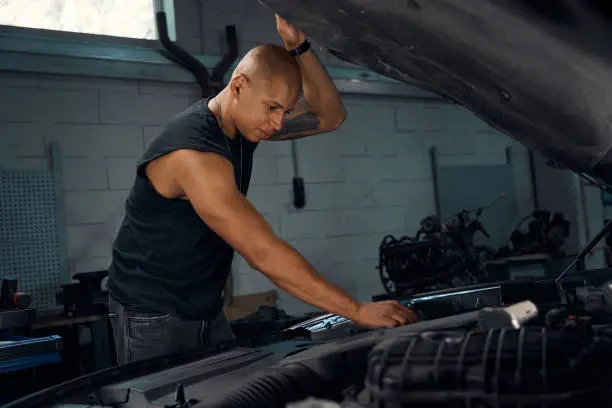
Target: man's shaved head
x=270, y=62
x=265, y=85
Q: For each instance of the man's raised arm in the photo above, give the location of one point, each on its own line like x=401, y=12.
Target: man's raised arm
x=321, y=110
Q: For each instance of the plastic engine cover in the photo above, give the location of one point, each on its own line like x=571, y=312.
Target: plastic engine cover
x=531, y=367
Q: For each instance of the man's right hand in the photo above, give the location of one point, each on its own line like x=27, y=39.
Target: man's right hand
x=384, y=314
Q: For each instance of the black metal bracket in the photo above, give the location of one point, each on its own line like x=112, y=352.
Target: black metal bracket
x=223, y=66
x=210, y=84
x=579, y=259
x=181, y=401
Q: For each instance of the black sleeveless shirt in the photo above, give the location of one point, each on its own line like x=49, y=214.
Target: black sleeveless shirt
x=165, y=258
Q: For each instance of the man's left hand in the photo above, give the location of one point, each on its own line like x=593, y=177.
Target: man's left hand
x=291, y=36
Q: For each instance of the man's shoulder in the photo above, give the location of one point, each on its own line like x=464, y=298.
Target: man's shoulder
x=195, y=118
x=186, y=137
x=170, y=172
x=194, y=128
x=196, y=160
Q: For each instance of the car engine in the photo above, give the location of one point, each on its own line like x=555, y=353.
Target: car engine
x=511, y=356
x=508, y=344
x=533, y=366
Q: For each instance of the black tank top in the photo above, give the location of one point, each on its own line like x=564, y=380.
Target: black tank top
x=165, y=258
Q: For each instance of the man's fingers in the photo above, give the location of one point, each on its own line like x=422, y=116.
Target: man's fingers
x=408, y=316
x=395, y=321
x=404, y=314
x=411, y=315
x=388, y=314
x=400, y=318
x=405, y=311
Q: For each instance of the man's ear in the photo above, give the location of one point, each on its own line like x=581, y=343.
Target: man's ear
x=237, y=85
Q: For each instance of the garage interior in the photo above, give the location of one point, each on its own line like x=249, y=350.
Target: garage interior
x=77, y=109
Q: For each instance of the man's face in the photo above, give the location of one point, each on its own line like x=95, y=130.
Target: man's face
x=261, y=105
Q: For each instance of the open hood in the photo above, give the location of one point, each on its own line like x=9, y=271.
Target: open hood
x=538, y=70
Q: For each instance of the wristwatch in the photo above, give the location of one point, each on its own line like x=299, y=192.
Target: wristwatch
x=300, y=49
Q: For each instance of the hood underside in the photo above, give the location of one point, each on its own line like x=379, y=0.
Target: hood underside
x=538, y=70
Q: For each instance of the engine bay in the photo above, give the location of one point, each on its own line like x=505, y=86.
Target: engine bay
x=506, y=344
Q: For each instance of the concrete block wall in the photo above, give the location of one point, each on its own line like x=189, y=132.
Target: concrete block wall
x=100, y=127
x=370, y=178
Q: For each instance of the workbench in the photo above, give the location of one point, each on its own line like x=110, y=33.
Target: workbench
x=21, y=353
x=92, y=329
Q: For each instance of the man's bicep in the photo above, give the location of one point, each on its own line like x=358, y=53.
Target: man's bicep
x=207, y=181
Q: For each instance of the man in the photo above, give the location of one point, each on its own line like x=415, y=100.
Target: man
x=187, y=211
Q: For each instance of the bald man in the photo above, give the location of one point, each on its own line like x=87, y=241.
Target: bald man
x=187, y=212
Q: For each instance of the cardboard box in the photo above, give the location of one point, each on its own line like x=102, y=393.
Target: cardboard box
x=245, y=305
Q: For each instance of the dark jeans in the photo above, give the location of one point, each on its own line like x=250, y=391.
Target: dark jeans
x=139, y=336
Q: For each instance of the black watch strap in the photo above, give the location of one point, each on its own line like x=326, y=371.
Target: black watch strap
x=302, y=48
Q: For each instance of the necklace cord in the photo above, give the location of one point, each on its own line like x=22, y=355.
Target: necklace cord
x=229, y=150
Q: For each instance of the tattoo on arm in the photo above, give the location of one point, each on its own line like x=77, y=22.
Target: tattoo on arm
x=302, y=125
x=302, y=122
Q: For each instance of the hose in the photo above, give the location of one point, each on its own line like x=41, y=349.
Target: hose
x=275, y=388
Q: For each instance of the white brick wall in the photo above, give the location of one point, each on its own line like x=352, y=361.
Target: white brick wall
x=101, y=127
x=370, y=178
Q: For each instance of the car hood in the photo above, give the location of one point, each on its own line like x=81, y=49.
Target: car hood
x=537, y=70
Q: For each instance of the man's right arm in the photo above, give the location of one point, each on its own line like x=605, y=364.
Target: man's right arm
x=207, y=181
